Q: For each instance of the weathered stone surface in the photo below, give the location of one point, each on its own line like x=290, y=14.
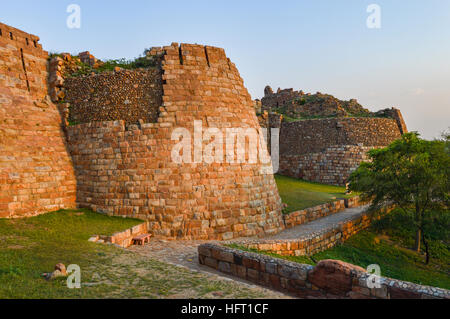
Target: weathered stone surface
x=399, y=293
x=334, y=276
x=129, y=95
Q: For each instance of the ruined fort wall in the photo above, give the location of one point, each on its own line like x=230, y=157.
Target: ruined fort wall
x=273, y=100
x=328, y=150
x=127, y=170
x=313, y=136
x=331, y=166
x=36, y=173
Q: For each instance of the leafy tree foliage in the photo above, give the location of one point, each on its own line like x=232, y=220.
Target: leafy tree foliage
x=413, y=174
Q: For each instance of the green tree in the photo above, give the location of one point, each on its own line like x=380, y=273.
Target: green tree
x=411, y=173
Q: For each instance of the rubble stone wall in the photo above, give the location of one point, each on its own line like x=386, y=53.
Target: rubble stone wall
x=313, y=136
x=128, y=170
x=36, y=172
x=129, y=95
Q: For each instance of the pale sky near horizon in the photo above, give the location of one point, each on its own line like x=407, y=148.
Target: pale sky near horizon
x=320, y=45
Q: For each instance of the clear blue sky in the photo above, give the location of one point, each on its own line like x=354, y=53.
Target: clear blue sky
x=314, y=45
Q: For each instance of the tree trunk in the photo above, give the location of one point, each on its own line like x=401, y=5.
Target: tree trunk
x=418, y=240
x=427, y=250
x=419, y=228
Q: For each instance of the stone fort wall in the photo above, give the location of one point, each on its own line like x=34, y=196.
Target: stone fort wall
x=127, y=170
x=122, y=167
x=328, y=150
x=36, y=173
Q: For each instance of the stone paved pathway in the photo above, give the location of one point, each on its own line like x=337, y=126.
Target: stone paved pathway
x=184, y=253
x=319, y=226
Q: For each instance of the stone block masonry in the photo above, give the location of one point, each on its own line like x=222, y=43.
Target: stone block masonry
x=36, y=172
x=313, y=213
x=331, y=166
x=329, y=279
x=328, y=150
x=127, y=170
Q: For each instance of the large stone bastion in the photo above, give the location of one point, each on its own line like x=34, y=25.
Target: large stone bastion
x=124, y=168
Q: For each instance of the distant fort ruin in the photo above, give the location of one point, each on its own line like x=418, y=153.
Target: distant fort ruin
x=323, y=139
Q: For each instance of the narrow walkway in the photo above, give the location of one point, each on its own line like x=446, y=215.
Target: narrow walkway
x=319, y=226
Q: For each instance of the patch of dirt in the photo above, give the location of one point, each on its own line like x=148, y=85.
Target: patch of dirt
x=76, y=214
x=16, y=247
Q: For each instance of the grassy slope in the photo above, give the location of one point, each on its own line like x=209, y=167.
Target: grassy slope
x=32, y=246
x=298, y=194
x=387, y=243
x=29, y=247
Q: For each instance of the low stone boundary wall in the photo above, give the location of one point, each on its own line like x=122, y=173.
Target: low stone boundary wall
x=355, y=201
x=123, y=238
x=329, y=279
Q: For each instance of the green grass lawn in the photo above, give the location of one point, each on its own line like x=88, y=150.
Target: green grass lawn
x=32, y=246
x=299, y=194
x=388, y=243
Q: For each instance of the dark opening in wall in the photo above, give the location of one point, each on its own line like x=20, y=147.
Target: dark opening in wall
x=180, y=53
x=1, y=34
x=207, y=57
x=35, y=43
x=11, y=36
